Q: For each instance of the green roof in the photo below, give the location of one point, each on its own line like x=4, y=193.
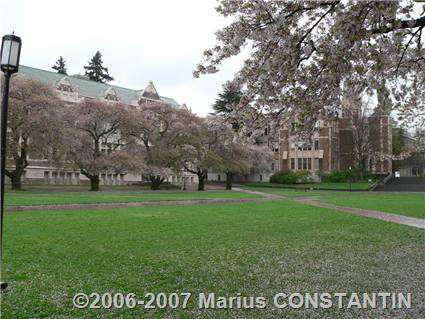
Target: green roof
x=86, y=88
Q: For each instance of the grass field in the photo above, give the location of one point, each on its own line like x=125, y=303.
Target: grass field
x=408, y=204
x=38, y=197
x=248, y=248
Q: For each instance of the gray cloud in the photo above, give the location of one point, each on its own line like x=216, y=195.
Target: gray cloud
x=159, y=40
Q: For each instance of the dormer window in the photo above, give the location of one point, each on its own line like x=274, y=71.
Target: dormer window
x=111, y=95
x=144, y=101
x=65, y=85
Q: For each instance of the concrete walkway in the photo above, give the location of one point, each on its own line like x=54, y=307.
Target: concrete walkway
x=60, y=207
x=264, y=195
x=398, y=219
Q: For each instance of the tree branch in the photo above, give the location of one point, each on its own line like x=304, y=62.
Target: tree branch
x=400, y=24
x=406, y=47
x=333, y=5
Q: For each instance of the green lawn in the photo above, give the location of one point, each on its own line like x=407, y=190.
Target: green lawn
x=86, y=197
x=249, y=248
x=342, y=186
x=408, y=204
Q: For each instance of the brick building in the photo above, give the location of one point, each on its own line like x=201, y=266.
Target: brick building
x=331, y=146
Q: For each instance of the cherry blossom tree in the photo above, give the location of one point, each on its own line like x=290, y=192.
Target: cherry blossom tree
x=301, y=52
x=33, y=126
x=155, y=135
x=94, y=138
x=198, y=155
x=238, y=154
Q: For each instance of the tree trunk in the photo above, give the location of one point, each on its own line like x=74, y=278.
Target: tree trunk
x=21, y=163
x=16, y=182
x=229, y=180
x=201, y=183
x=94, y=183
x=15, y=178
x=156, y=182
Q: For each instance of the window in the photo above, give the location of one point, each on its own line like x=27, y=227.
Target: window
x=64, y=85
x=111, y=97
x=304, y=163
x=266, y=131
x=62, y=177
x=46, y=176
x=55, y=177
x=316, y=164
x=272, y=166
x=219, y=177
x=316, y=144
x=65, y=88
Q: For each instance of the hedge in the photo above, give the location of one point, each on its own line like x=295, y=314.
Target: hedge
x=290, y=177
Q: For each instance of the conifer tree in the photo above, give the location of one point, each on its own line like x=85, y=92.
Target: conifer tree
x=96, y=71
x=60, y=66
x=225, y=104
x=226, y=101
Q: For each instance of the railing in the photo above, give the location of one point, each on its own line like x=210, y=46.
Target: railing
x=382, y=181
x=387, y=178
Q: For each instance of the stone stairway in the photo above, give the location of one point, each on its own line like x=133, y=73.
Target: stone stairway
x=403, y=184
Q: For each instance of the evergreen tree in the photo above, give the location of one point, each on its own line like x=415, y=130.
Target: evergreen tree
x=60, y=66
x=226, y=101
x=96, y=71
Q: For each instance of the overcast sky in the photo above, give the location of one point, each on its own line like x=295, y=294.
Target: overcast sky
x=158, y=40
x=141, y=40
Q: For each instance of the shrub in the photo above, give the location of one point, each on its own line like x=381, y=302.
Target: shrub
x=290, y=177
x=344, y=176
x=284, y=177
x=303, y=177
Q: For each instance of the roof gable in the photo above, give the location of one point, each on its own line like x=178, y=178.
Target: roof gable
x=150, y=92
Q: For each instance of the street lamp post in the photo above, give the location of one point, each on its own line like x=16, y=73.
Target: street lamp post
x=9, y=64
